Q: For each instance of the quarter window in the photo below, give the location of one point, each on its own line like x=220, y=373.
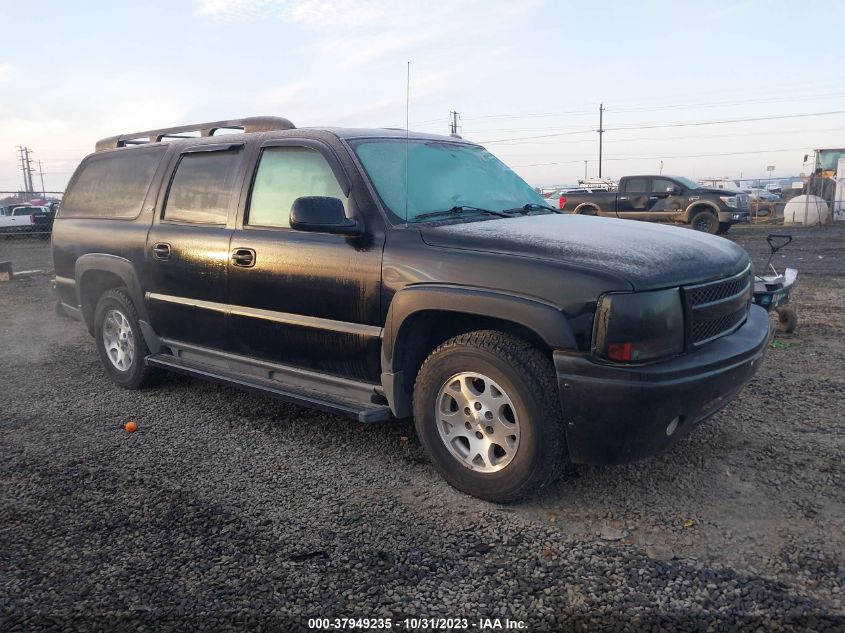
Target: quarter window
x=285, y=174
x=203, y=188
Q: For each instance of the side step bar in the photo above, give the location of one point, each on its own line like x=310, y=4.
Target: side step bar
x=365, y=412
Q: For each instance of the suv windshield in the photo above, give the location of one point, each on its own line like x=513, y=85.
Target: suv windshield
x=442, y=176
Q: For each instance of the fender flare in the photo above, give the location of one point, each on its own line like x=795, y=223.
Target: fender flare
x=583, y=205
x=546, y=320
x=119, y=266
x=693, y=208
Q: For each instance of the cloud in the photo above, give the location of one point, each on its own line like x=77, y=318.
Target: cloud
x=5, y=71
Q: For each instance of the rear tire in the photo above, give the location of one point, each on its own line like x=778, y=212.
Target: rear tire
x=487, y=412
x=705, y=221
x=119, y=340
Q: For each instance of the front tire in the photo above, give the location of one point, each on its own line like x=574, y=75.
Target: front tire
x=724, y=227
x=487, y=412
x=705, y=221
x=120, y=343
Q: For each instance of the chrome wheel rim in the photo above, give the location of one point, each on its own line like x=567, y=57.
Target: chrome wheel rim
x=477, y=422
x=118, y=339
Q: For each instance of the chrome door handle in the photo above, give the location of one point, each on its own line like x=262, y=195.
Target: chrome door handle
x=243, y=257
x=161, y=250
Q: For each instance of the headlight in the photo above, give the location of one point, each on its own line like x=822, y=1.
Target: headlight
x=729, y=201
x=639, y=326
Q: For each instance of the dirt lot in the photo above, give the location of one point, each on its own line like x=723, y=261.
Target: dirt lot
x=230, y=510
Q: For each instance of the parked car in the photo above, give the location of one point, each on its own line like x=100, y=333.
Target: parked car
x=17, y=220
x=760, y=201
x=673, y=199
x=775, y=188
x=296, y=262
x=41, y=216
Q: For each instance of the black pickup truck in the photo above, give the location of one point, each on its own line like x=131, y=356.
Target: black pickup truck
x=672, y=199
x=379, y=275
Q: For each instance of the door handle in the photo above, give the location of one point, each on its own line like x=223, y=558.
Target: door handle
x=623, y=197
x=161, y=250
x=243, y=257
x=653, y=197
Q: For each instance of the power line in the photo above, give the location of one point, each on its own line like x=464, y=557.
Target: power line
x=664, y=156
x=656, y=108
x=670, y=125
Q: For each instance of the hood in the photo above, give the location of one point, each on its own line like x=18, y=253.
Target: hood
x=647, y=255
x=710, y=191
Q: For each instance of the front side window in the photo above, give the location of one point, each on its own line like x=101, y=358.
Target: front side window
x=204, y=187
x=660, y=185
x=440, y=175
x=285, y=174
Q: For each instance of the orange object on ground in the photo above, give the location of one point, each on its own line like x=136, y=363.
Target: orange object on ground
x=131, y=426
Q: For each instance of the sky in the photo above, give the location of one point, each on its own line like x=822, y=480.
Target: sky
x=717, y=88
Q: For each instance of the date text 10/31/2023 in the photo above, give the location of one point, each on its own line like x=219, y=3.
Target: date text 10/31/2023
x=417, y=624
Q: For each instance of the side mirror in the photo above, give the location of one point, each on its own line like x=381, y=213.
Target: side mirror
x=321, y=214
x=672, y=189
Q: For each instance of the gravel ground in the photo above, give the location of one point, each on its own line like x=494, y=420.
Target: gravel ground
x=227, y=510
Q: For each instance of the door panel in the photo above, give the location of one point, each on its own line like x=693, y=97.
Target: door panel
x=632, y=201
x=187, y=250
x=662, y=205
x=311, y=300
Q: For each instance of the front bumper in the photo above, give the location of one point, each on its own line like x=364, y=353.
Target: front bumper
x=733, y=216
x=621, y=413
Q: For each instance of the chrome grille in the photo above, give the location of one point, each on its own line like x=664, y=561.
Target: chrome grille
x=742, y=201
x=717, y=308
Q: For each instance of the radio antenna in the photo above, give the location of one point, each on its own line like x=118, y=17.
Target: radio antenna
x=407, y=133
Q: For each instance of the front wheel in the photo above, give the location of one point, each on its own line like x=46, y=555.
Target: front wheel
x=119, y=340
x=487, y=412
x=705, y=221
x=724, y=227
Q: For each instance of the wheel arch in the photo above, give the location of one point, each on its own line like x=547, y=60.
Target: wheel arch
x=96, y=273
x=422, y=317
x=584, y=206
x=700, y=205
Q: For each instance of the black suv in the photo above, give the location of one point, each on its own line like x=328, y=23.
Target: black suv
x=378, y=273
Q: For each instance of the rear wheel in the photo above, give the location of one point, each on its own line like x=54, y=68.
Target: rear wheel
x=705, y=221
x=588, y=211
x=119, y=340
x=487, y=412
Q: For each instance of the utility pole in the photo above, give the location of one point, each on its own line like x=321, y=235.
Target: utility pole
x=41, y=173
x=661, y=167
x=601, y=132
x=585, y=169
x=26, y=168
x=453, y=126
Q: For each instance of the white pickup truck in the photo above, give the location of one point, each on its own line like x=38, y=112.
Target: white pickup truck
x=17, y=219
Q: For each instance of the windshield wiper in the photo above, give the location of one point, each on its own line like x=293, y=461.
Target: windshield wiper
x=531, y=206
x=461, y=209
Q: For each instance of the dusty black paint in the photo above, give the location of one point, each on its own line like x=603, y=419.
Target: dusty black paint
x=369, y=306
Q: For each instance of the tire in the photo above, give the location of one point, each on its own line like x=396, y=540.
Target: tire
x=724, y=227
x=787, y=319
x=468, y=371
x=588, y=211
x=705, y=221
x=116, y=321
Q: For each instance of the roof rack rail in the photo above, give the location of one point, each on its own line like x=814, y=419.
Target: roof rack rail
x=249, y=124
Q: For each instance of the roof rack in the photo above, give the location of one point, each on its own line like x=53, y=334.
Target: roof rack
x=248, y=125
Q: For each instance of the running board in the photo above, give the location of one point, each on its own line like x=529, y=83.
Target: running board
x=363, y=411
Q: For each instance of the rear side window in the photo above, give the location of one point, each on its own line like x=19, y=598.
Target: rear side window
x=635, y=185
x=203, y=187
x=112, y=185
x=285, y=174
